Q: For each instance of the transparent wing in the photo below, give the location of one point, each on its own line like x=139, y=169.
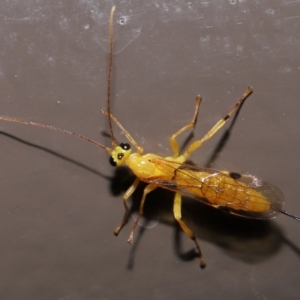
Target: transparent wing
x=240, y=194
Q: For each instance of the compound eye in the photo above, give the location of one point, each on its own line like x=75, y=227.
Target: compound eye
x=112, y=162
x=125, y=146
x=120, y=154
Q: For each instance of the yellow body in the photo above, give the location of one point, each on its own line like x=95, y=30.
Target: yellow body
x=218, y=188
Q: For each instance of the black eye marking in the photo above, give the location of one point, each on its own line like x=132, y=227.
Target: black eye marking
x=120, y=156
x=125, y=146
x=112, y=162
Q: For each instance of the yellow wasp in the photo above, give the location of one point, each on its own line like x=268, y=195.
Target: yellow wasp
x=240, y=194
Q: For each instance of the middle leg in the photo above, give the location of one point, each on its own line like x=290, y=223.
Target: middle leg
x=173, y=142
x=196, y=144
x=188, y=232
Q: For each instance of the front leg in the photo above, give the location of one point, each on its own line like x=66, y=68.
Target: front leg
x=149, y=188
x=127, y=194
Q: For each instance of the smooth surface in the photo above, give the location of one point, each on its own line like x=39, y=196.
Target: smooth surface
x=59, y=203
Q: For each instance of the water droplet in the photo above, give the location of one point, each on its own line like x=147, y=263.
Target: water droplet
x=123, y=20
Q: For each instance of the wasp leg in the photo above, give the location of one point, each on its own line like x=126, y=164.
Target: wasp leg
x=149, y=188
x=126, y=196
x=173, y=142
x=195, y=145
x=188, y=232
x=127, y=134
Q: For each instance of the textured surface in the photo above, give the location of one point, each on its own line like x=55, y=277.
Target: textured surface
x=59, y=203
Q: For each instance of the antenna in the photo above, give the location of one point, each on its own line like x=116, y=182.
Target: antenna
x=114, y=143
x=111, y=38
x=3, y=118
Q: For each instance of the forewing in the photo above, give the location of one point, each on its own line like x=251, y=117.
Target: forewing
x=224, y=190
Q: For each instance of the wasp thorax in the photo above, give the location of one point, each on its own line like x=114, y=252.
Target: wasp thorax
x=120, y=154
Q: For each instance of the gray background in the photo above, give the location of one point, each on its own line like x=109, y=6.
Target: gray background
x=60, y=198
